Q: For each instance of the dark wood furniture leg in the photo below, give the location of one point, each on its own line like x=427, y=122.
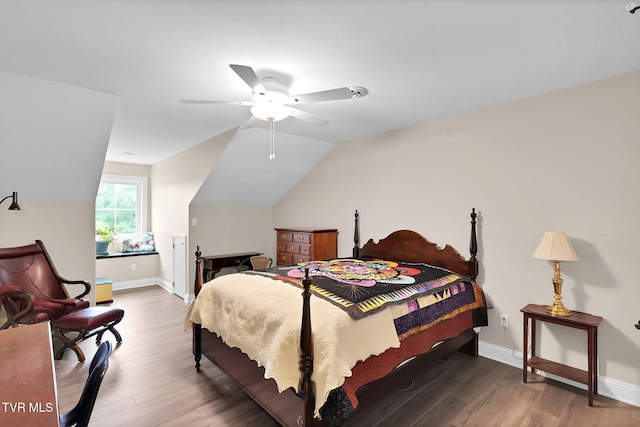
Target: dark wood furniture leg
x=593, y=362
x=525, y=353
x=197, y=328
x=197, y=344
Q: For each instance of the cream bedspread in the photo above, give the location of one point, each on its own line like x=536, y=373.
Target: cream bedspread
x=262, y=317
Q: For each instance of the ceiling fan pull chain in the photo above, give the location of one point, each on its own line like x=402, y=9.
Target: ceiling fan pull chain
x=272, y=143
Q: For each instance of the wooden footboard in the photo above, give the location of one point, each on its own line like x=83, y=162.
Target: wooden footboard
x=287, y=408
x=373, y=392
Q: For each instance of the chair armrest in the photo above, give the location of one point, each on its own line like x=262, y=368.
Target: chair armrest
x=26, y=302
x=62, y=280
x=87, y=286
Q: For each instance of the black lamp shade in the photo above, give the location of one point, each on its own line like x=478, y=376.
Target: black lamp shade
x=14, y=201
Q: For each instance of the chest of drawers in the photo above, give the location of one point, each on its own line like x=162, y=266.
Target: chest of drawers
x=306, y=244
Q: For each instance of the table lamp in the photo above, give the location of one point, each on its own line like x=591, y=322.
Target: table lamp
x=555, y=246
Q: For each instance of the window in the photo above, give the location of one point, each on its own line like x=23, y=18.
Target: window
x=121, y=203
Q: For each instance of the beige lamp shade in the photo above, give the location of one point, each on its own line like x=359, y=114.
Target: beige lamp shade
x=556, y=246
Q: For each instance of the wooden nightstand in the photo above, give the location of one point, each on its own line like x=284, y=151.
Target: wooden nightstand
x=577, y=320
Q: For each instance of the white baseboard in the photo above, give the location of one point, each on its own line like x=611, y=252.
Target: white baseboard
x=154, y=281
x=131, y=284
x=618, y=390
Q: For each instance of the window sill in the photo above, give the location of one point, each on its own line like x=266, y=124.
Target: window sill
x=125, y=254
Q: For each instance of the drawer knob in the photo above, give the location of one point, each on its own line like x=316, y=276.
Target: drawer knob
x=301, y=237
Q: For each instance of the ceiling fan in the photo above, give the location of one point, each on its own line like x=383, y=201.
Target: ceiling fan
x=271, y=102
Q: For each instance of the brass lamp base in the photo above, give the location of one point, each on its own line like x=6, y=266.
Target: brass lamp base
x=558, y=310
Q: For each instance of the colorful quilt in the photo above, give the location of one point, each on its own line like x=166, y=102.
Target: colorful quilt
x=362, y=287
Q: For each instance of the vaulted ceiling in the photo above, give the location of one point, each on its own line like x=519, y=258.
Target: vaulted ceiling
x=419, y=60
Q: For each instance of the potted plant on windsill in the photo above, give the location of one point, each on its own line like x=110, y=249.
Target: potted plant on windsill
x=104, y=236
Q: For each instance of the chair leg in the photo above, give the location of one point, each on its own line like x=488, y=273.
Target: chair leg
x=83, y=334
x=110, y=327
x=114, y=331
x=70, y=343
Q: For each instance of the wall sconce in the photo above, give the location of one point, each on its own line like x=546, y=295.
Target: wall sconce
x=14, y=202
x=555, y=246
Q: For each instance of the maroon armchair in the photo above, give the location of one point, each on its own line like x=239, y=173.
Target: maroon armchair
x=30, y=269
x=32, y=291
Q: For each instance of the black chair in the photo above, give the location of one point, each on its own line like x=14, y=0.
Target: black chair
x=80, y=414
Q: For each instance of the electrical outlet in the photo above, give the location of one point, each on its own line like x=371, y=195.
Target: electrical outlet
x=504, y=320
x=133, y=267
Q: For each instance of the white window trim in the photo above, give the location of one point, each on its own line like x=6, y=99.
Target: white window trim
x=141, y=199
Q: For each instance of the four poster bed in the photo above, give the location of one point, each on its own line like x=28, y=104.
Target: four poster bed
x=397, y=306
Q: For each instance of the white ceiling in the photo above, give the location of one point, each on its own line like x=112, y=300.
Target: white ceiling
x=420, y=60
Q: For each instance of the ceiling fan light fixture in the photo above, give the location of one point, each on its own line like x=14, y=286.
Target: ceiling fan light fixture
x=358, y=91
x=271, y=111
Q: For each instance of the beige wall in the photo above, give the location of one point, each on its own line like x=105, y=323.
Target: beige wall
x=67, y=230
x=174, y=183
x=230, y=229
x=128, y=269
x=564, y=161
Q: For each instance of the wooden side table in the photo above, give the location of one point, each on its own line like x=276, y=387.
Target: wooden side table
x=577, y=320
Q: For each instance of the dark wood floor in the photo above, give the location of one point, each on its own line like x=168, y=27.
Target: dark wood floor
x=151, y=381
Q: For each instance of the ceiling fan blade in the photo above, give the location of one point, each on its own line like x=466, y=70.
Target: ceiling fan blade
x=287, y=126
x=325, y=95
x=204, y=101
x=254, y=122
x=250, y=77
x=309, y=118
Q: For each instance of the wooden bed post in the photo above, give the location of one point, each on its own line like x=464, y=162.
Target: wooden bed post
x=306, y=350
x=198, y=280
x=473, y=246
x=197, y=328
x=356, y=237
